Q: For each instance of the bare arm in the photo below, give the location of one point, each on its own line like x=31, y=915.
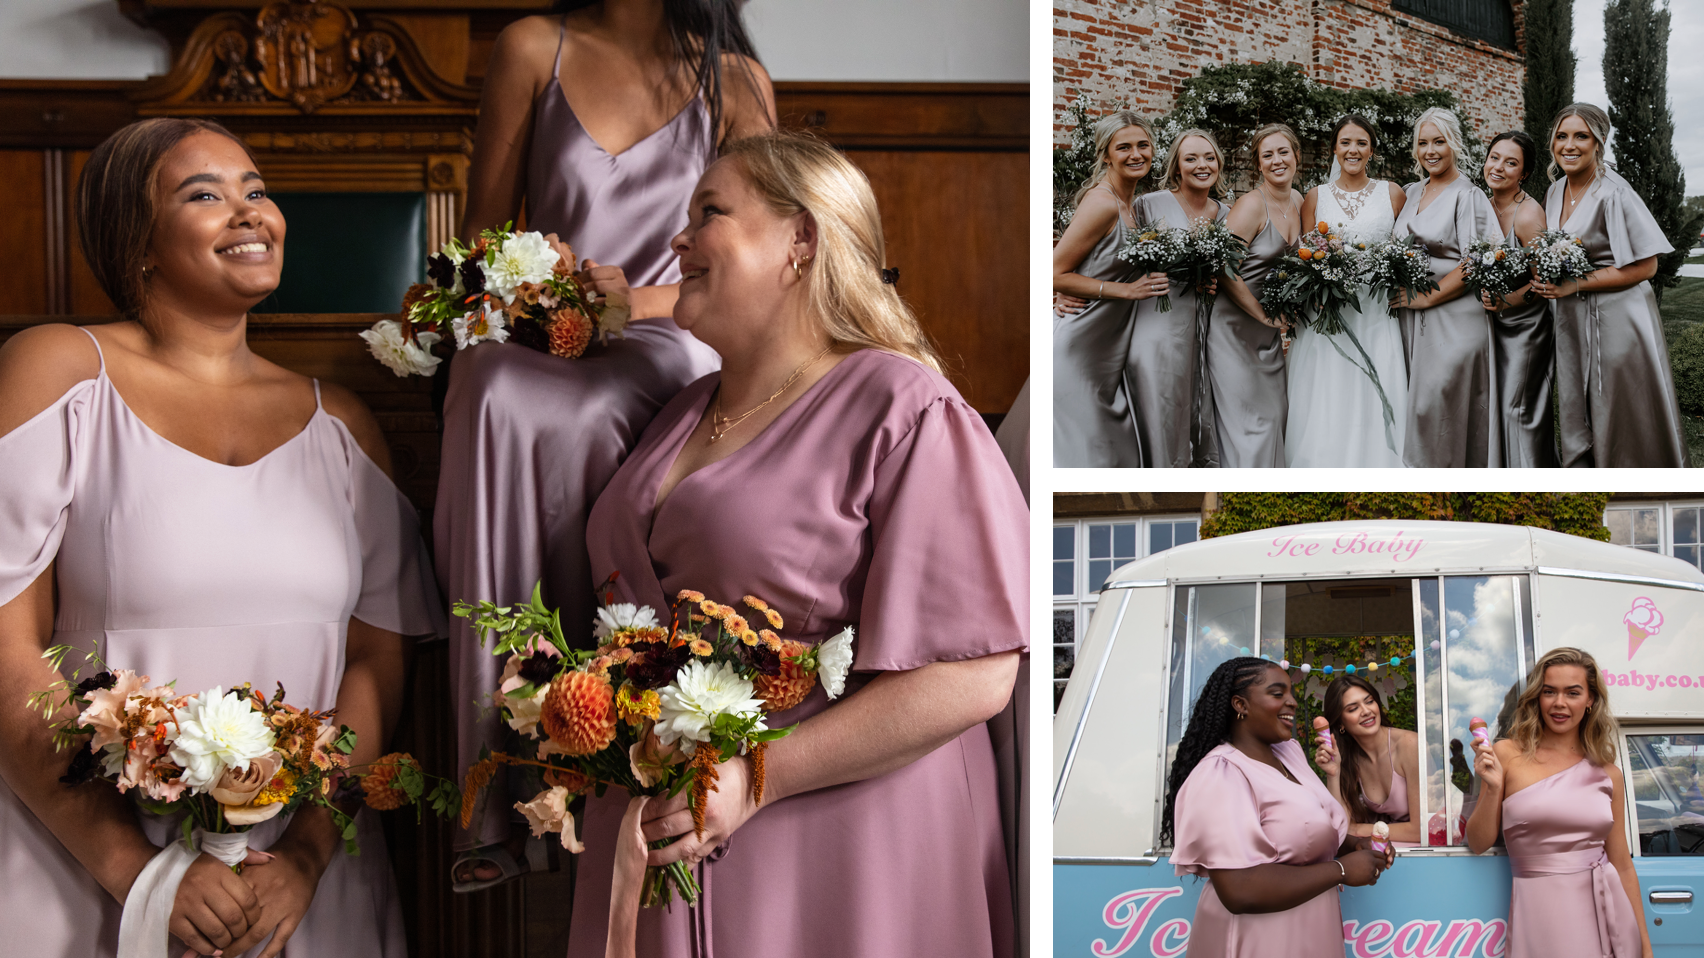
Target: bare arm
x=1246, y=219
x=1486, y=823
x=1398, y=199
x=1310, y=209
x=1605, y=279
x=519, y=69
x=1622, y=857
x=1529, y=222
x=1095, y=218
x=1264, y=889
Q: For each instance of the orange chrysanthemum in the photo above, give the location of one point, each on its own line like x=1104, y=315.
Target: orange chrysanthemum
x=579, y=713
x=635, y=705
x=770, y=639
x=788, y=689
x=380, y=783
x=570, y=333
x=701, y=647
x=773, y=616
x=689, y=595
x=710, y=608
x=748, y=637
x=736, y=624
x=755, y=602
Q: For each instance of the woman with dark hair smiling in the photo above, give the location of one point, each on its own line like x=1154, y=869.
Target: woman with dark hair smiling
x=187, y=510
x=1368, y=757
x=1248, y=813
x=1522, y=336
x=600, y=117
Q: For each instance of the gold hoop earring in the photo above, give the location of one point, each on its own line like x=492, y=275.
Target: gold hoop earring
x=798, y=271
x=1241, y=716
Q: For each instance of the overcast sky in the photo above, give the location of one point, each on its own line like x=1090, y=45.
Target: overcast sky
x=1685, y=77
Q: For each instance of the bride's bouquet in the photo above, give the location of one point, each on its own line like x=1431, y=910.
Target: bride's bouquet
x=1315, y=282
x=653, y=709
x=507, y=285
x=1398, y=265
x=1559, y=256
x=1156, y=248
x=1495, y=268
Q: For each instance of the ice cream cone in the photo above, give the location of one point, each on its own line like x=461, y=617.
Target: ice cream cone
x=1635, y=637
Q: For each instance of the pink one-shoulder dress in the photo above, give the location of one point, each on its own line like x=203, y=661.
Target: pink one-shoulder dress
x=1234, y=812
x=1567, y=899
x=878, y=500
x=182, y=568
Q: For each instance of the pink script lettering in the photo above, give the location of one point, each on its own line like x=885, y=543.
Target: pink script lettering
x=1130, y=912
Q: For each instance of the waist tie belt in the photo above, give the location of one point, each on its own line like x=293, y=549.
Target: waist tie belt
x=1606, y=881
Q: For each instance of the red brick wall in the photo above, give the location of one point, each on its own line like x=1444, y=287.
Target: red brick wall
x=1141, y=51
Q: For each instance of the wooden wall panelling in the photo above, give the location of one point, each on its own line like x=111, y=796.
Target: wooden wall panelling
x=86, y=295
x=23, y=211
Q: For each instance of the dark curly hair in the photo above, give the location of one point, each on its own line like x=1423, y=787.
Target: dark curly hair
x=1209, y=726
x=1349, y=750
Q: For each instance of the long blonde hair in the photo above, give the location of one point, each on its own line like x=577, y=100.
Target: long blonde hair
x=1174, y=164
x=1595, y=120
x=1598, y=729
x=1106, y=128
x=799, y=173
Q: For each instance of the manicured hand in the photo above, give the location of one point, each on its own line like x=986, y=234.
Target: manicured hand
x=1329, y=762
x=726, y=809
x=213, y=908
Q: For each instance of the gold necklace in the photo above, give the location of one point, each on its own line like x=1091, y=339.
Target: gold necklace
x=720, y=425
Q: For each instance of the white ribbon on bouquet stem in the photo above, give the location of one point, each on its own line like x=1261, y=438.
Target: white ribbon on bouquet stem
x=144, y=929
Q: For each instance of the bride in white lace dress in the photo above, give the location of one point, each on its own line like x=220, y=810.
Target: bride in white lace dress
x=1349, y=392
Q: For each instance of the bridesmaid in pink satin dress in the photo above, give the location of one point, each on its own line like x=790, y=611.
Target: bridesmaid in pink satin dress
x=832, y=471
x=1365, y=751
x=1554, y=791
x=1249, y=814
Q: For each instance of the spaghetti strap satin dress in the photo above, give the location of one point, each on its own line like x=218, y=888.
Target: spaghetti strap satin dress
x=1234, y=812
x=1524, y=338
x=1567, y=898
x=1094, y=423
x=178, y=567
x=530, y=439
x=878, y=500
x=1245, y=368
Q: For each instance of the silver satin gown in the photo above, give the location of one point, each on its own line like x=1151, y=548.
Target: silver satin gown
x=1093, y=423
x=1452, y=387
x=1166, y=371
x=1525, y=353
x=1614, y=387
x=1245, y=368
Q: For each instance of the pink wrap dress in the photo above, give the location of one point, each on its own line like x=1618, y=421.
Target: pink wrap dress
x=1567, y=899
x=182, y=568
x=877, y=500
x=1234, y=812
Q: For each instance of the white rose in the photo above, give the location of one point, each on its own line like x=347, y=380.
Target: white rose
x=834, y=660
x=217, y=731
x=404, y=358
x=524, y=258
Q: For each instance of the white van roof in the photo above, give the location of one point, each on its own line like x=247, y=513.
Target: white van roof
x=1396, y=547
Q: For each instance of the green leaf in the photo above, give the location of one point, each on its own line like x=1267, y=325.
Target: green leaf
x=345, y=740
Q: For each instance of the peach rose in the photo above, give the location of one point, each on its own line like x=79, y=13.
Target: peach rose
x=252, y=814
x=548, y=812
x=649, y=757
x=240, y=786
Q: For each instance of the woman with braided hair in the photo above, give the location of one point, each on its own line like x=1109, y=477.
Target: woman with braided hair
x=1246, y=812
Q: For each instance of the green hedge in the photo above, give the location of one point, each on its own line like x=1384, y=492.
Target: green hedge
x=1576, y=513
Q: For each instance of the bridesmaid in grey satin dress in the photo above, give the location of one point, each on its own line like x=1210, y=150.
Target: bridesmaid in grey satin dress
x=1245, y=350
x=1166, y=370
x=1522, y=335
x=1614, y=386
x=1094, y=423
x=1452, y=387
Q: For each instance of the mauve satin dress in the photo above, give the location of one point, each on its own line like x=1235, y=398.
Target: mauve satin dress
x=1234, y=812
x=531, y=439
x=1524, y=338
x=1614, y=386
x=1093, y=421
x=1567, y=898
x=182, y=568
x=1452, y=386
x=1166, y=370
x=1245, y=367
x=878, y=500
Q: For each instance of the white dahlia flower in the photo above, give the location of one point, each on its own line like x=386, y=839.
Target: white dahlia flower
x=834, y=660
x=404, y=358
x=623, y=615
x=699, y=693
x=217, y=731
x=524, y=258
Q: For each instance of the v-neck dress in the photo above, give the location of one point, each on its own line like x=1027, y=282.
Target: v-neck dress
x=878, y=500
x=1453, y=419
x=1094, y=424
x=1166, y=371
x=531, y=439
x=1245, y=367
x=1234, y=812
x=1567, y=898
x=1614, y=386
x=182, y=568
x=1525, y=343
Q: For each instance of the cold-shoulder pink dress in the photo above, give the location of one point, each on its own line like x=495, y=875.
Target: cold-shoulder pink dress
x=878, y=500
x=182, y=568
x=1567, y=898
x=1234, y=812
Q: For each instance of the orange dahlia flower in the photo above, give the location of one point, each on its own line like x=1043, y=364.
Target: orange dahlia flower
x=788, y=689
x=579, y=713
x=570, y=333
x=380, y=783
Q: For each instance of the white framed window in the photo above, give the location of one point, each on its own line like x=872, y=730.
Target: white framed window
x=1085, y=553
x=1666, y=528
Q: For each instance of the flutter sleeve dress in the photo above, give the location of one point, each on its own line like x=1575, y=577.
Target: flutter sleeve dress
x=877, y=500
x=1453, y=417
x=1614, y=387
x=1234, y=812
x=178, y=567
x=1567, y=898
x=530, y=439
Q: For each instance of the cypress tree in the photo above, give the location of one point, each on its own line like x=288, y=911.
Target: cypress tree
x=1635, y=71
x=1549, y=84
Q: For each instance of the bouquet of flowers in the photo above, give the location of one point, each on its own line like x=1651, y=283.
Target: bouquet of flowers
x=1155, y=248
x=1210, y=249
x=1312, y=284
x=1495, y=268
x=1558, y=256
x=652, y=709
x=507, y=285
x=228, y=760
x=1399, y=265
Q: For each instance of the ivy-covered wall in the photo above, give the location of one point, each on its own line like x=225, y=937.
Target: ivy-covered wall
x=1576, y=513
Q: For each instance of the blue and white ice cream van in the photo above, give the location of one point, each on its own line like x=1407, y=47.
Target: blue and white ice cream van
x=1480, y=602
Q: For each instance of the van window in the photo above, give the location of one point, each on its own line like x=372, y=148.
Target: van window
x=1667, y=800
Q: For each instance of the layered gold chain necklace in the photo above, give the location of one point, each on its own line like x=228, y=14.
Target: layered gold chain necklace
x=721, y=425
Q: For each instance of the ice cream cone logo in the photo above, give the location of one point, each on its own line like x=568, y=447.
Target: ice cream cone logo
x=1643, y=621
